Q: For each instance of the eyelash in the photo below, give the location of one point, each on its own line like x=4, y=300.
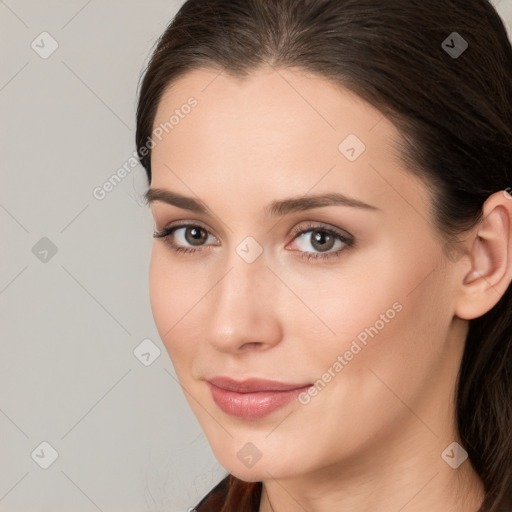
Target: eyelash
x=296, y=232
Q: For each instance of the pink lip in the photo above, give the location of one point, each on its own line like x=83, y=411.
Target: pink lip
x=252, y=398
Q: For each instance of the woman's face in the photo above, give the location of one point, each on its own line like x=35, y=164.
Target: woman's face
x=348, y=307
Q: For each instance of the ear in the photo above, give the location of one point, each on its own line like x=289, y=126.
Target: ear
x=490, y=254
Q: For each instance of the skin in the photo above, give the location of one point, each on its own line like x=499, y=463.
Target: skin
x=372, y=439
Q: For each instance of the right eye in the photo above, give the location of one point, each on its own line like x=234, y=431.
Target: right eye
x=177, y=237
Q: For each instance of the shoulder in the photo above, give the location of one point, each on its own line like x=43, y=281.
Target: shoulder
x=215, y=498
x=245, y=495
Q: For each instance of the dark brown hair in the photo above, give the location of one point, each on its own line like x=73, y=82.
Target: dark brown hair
x=454, y=113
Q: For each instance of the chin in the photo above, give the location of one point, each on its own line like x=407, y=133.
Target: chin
x=247, y=462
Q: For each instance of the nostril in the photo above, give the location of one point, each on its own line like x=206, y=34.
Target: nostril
x=251, y=345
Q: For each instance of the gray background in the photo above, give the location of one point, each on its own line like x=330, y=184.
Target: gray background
x=71, y=319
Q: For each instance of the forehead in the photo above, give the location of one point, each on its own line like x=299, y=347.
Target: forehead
x=275, y=132
x=268, y=102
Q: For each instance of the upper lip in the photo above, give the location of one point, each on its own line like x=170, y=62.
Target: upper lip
x=253, y=385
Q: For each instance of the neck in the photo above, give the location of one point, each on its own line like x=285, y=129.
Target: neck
x=406, y=474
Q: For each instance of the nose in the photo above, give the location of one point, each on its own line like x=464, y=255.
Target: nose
x=243, y=313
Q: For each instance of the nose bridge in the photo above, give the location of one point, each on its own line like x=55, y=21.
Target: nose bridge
x=246, y=262
x=244, y=286
x=243, y=302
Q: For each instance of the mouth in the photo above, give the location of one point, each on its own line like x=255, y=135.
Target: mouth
x=252, y=398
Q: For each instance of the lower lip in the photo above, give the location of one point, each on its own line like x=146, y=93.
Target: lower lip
x=251, y=406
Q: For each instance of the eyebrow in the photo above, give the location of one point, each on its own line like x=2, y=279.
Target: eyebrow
x=274, y=209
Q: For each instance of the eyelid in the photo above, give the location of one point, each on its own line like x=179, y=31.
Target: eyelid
x=300, y=229
x=180, y=224
x=310, y=225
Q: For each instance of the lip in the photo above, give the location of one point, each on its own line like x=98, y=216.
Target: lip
x=252, y=398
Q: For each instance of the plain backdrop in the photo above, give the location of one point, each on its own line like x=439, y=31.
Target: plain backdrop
x=91, y=415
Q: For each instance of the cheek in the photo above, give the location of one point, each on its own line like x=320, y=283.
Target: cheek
x=347, y=302
x=385, y=315
x=173, y=295
x=400, y=352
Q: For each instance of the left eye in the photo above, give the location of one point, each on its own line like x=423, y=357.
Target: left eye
x=321, y=239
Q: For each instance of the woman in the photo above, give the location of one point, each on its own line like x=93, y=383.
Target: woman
x=329, y=181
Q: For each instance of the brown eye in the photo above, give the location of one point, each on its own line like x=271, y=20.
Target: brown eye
x=186, y=238
x=195, y=235
x=316, y=242
x=322, y=240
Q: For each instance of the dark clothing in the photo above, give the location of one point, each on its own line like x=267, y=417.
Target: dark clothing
x=216, y=498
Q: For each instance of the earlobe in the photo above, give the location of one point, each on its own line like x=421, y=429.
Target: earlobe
x=490, y=254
